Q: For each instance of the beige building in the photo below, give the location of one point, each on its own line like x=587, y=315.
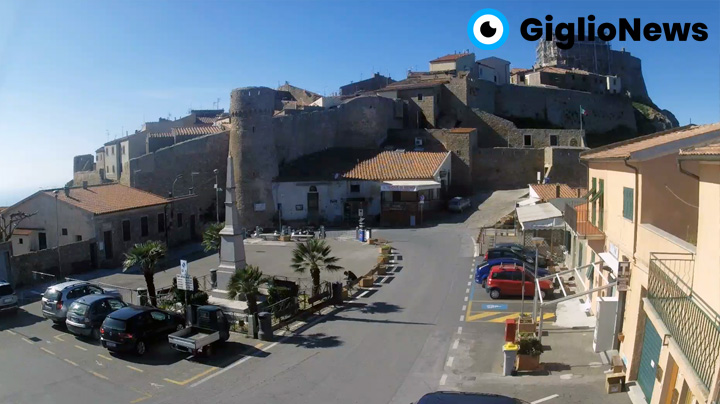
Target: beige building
x=646, y=209
x=454, y=62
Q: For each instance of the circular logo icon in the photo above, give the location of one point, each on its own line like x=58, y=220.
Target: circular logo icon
x=488, y=29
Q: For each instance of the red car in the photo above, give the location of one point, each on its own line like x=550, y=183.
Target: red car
x=506, y=280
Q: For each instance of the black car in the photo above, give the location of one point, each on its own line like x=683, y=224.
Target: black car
x=86, y=314
x=515, y=251
x=457, y=397
x=133, y=328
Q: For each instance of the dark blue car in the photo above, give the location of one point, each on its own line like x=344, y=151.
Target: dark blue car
x=483, y=270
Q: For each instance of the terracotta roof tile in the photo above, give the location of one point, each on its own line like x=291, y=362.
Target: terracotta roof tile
x=396, y=165
x=449, y=58
x=711, y=149
x=207, y=119
x=517, y=70
x=547, y=192
x=165, y=134
x=196, y=130
x=624, y=149
x=462, y=130
x=101, y=199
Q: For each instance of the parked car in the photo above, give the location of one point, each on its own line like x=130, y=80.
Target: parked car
x=133, y=328
x=8, y=299
x=527, y=252
x=482, y=271
x=86, y=314
x=57, y=298
x=506, y=280
x=512, y=252
x=459, y=397
x=458, y=204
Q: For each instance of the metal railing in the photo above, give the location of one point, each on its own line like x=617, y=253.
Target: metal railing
x=283, y=310
x=694, y=325
x=579, y=217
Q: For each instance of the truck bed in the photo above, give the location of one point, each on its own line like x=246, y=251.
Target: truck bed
x=193, y=338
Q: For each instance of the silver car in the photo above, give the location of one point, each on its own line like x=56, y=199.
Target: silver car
x=458, y=204
x=57, y=298
x=8, y=299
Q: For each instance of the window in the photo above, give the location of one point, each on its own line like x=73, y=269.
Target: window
x=78, y=238
x=126, y=230
x=396, y=196
x=107, y=150
x=64, y=232
x=420, y=96
x=115, y=304
x=553, y=140
x=527, y=140
x=179, y=219
x=113, y=169
x=144, y=226
x=354, y=187
x=628, y=202
x=158, y=316
x=161, y=222
x=20, y=241
x=123, y=150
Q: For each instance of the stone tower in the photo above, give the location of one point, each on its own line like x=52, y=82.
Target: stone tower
x=252, y=147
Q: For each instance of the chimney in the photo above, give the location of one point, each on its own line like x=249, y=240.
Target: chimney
x=557, y=191
x=84, y=184
x=67, y=191
x=578, y=192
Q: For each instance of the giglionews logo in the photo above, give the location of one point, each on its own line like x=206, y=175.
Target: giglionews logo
x=488, y=29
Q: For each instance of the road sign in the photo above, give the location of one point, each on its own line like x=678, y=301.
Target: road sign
x=183, y=268
x=184, y=282
x=422, y=198
x=494, y=306
x=361, y=213
x=623, y=277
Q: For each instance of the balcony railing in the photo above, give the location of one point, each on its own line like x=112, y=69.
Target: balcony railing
x=694, y=325
x=579, y=219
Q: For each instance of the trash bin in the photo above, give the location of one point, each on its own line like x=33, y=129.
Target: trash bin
x=337, y=289
x=213, y=278
x=509, y=355
x=265, y=331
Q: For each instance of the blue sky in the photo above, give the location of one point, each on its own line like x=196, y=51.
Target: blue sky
x=73, y=71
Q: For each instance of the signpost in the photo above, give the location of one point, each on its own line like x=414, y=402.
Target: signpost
x=422, y=202
x=184, y=281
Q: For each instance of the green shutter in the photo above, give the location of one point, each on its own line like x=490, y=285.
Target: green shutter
x=602, y=204
x=628, y=202
x=594, y=185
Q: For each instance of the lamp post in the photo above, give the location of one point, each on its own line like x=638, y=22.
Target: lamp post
x=172, y=189
x=57, y=232
x=217, y=197
x=192, y=181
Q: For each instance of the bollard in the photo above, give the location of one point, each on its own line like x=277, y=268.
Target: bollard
x=251, y=322
x=509, y=355
x=265, y=325
x=213, y=278
x=142, y=296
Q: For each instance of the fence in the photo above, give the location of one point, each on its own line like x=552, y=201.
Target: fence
x=694, y=325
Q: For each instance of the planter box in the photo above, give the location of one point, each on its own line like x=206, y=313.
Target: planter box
x=366, y=282
x=383, y=259
x=372, y=241
x=284, y=238
x=385, y=250
x=527, y=362
x=526, y=325
x=381, y=270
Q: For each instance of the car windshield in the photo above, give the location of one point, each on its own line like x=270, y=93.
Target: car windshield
x=79, y=308
x=6, y=290
x=114, y=324
x=52, y=294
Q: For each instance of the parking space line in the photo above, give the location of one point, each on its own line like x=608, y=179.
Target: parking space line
x=197, y=376
x=466, y=298
x=480, y=315
x=107, y=358
x=462, y=318
x=456, y=344
x=48, y=351
x=443, y=379
x=96, y=374
x=81, y=348
x=11, y=332
x=28, y=341
x=459, y=330
x=135, y=369
x=70, y=362
x=449, y=362
x=503, y=318
x=59, y=337
x=545, y=399
x=464, y=307
x=145, y=396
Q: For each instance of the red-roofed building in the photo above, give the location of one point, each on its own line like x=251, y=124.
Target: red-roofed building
x=454, y=62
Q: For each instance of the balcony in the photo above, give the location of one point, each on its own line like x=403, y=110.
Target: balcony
x=694, y=325
x=579, y=219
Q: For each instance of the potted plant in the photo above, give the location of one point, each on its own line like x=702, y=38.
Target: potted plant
x=384, y=258
x=528, y=356
x=381, y=270
x=526, y=323
x=385, y=249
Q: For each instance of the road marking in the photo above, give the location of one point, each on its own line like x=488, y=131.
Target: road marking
x=48, y=351
x=140, y=399
x=28, y=341
x=467, y=290
x=469, y=283
x=59, y=338
x=462, y=318
x=443, y=379
x=98, y=375
x=197, y=376
x=455, y=344
x=11, y=332
x=545, y=399
x=449, y=361
x=70, y=362
x=466, y=298
x=387, y=279
x=135, y=369
x=470, y=277
x=81, y=348
x=107, y=358
x=464, y=307
x=503, y=318
x=364, y=293
x=459, y=330
x=478, y=316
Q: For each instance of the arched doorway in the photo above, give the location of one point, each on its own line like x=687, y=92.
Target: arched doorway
x=313, y=205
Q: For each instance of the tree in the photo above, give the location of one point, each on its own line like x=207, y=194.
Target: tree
x=211, y=237
x=246, y=282
x=8, y=224
x=146, y=255
x=313, y=256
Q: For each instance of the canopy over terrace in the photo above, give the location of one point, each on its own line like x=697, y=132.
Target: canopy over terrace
x=409, y=185
x=543, y=216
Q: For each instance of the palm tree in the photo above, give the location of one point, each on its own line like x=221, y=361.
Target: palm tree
x=246, y=282
x=211, y=238
x=146, y=255
x=313, y=256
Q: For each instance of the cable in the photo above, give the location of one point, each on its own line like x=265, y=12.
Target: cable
x=679, y=198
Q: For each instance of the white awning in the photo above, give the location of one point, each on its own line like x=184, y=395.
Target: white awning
x=409, y=185
x=528, y=201
x=540, y=217
x=610, y=262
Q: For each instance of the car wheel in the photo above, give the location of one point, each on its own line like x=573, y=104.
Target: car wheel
x=494, y=294
x=140, y=348
x=543, y=294
x=95, y=334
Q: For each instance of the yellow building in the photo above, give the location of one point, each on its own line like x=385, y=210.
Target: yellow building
x=658, y=209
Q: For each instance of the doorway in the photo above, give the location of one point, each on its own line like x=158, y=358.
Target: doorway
x=650, y=354
x=313, y=204
x=42, y=241
x=107, y=240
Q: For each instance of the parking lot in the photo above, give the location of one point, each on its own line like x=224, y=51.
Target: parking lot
x=161, y=368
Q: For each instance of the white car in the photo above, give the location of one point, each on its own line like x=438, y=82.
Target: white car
x=458, y=204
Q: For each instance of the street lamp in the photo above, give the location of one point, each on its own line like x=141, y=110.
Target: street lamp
x=57, y=231
x=217, y=197
x=172, y=189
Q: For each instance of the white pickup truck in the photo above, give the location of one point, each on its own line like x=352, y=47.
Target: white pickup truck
x=210, y=327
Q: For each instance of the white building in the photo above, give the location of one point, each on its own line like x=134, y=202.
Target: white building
x=328, y=101
x=501, y=68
